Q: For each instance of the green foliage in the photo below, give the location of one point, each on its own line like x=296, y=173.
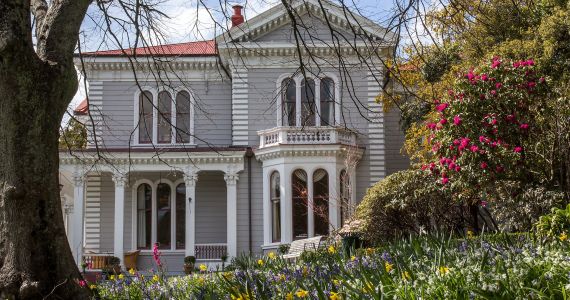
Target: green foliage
x=556, y=224
x=190, y=260
x=74, y=136
x=403, y=203
x=426, y=267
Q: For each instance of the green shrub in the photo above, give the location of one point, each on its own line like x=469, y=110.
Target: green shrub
x=406, y=202
x=555, y=224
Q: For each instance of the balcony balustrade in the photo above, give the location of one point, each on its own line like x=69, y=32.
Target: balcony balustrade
x=306, y=136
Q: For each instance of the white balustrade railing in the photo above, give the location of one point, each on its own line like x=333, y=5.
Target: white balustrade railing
x=306, y=136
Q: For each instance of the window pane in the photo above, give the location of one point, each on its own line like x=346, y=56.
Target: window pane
x=308, y=103
x=164, y=117
x=321, y=201
x=275, y=207
x=146, y=124
x=300, y=208
x=183, y=117
x=180, y=215
x=144, y=213
x=327, y=102
x=163, y=215
x=289, y=90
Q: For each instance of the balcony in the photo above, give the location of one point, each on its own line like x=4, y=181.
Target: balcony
x=306, y=136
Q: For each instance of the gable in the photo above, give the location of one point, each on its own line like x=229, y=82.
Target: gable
x=311, y=30
x=275, y=24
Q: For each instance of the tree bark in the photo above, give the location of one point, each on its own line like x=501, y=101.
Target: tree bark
x=35, y=258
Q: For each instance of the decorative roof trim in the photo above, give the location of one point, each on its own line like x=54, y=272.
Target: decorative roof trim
x=282, y=151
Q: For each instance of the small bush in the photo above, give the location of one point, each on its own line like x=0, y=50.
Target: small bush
x=406, y=202
x=555, y=224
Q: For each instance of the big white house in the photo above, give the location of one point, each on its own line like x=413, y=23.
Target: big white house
x=230, y=146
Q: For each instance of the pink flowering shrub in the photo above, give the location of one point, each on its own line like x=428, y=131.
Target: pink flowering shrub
x=492, y=110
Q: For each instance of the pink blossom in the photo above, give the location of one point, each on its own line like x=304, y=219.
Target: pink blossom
x=541, y=80
x=452, y=166
x=494, y=121
x=471, y=76
x=498, y=85
x=511, y=118
x=524, y=126
x=493, y=93
x=530, y=62
x=484, y=77
x=474, y=148
x=516, y=64
x=456, y=142
x=457, y=168
x=443, y=121
x=424, y=167
x=430, y=126
x=456, y=120
x=82, y=283
x=483, y=139
x=499, y=169
x=531, y=84
x=483, y=165
x=156, y=254
x=482, y=97
x=444, y=180
x=517, y=149
x=493, y=144
x=496, y=63
x=484, y=203
x=441, y=107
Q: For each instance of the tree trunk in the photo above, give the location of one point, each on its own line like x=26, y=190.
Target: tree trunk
x=35, y=258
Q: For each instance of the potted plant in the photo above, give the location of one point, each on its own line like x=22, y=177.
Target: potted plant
x=114, y=265
x=189, y=262
x=224, y=258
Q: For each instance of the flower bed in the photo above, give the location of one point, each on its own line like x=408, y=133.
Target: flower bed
x=488, y=267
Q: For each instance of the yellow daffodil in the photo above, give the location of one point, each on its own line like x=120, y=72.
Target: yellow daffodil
x=470, y=234
x=92, y=286
x=241, y=297
x=353, y=258
x=336, y=282
x=203, y=268
x=406, y=276
x=563, y=236
x=271, y=255
x=201, y=280
x=443, y=270
x=289, y=296
x=282, y=277
x=332, y=250
x=132, y=271
x=121, y=276
x=369, y=251
x=305, y=271
x=302, y=293
x=155, y=278
x=112, y=277
x=388, y=266
x=335, y=296
x=260, y=262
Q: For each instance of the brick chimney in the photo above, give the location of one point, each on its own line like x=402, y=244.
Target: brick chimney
x=237, y=18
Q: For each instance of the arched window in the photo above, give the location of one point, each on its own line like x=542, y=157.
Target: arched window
x=327, y=102
x=164, y=117
x=344, y=196
x=308, y=102
x=183, y=117
x=300, y=208
x=180, y=216
x=321, y=202
x=144, y=216
x=163, y=216
x=275, y=207
x=146, y=121
x=289, y=92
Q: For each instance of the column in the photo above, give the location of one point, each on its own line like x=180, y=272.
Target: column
x=310, y=205
x=334, y=199
x=231, y=184
x=267, y=210
x=120, y=182
x=190, y=179
x=286, y=206
x=76, y=229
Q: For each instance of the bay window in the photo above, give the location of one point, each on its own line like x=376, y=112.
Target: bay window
x=275, y=197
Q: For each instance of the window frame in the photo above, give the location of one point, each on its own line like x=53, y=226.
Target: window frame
x=298, y=79
x=272, y=201
x=154, y=225
x=155, y=117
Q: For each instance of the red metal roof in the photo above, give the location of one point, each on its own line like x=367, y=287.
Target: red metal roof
x=82, y=108
x=200, y=48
